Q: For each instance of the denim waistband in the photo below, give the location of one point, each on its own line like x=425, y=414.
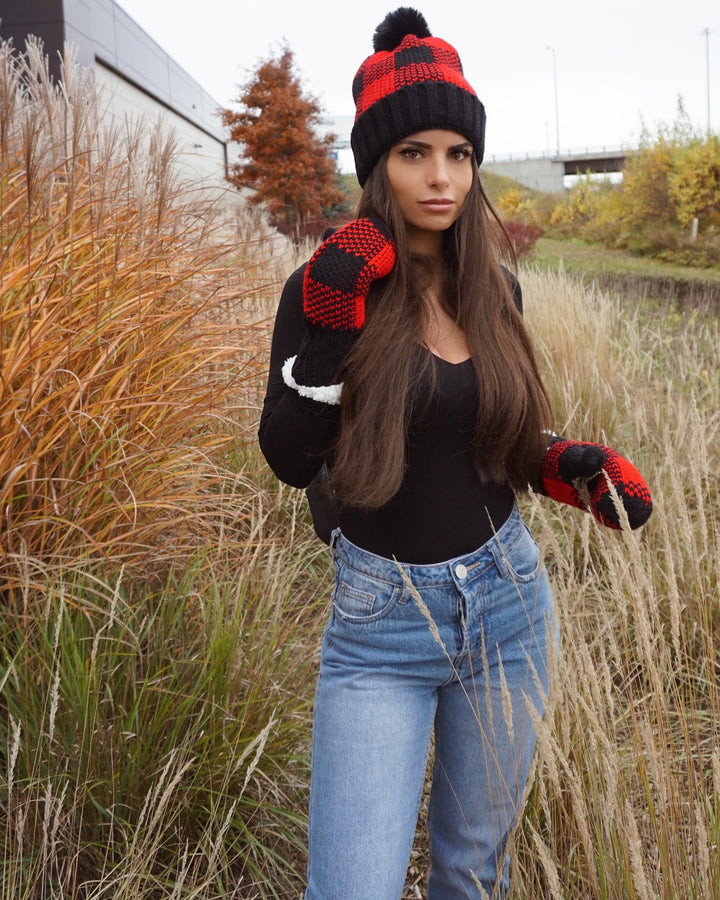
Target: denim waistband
x=461, y=569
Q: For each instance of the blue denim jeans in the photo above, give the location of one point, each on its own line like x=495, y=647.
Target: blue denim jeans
x=459, y=648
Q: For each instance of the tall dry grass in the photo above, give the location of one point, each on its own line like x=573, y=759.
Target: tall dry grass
x=126, y=344
x=153, y=662
x=626, y=799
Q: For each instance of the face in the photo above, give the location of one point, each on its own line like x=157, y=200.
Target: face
x=430, y=174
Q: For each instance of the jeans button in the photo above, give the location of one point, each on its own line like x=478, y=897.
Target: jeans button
x=461, y=571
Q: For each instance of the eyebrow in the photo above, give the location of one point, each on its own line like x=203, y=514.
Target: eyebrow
x=424, y=146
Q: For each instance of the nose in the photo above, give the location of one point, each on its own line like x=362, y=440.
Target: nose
x=438, y=172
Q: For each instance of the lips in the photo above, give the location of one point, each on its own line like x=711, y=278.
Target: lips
x=437, y=205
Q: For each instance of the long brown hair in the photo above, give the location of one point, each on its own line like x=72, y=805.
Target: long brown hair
x=385, y=365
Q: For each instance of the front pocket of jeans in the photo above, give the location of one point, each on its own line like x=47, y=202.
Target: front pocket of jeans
x=361, y=598
x=523, y=558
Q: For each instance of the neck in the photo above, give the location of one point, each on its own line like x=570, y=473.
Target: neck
x=426, y=243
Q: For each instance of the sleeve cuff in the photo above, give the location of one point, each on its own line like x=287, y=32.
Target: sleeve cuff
x=323, y=393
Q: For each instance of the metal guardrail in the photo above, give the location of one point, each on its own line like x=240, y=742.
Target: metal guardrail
x=563, y=155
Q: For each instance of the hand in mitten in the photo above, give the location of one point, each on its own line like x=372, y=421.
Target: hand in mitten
x=336, y=283
x=572, y=470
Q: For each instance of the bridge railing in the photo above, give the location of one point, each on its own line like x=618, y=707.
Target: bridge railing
x=564, y=154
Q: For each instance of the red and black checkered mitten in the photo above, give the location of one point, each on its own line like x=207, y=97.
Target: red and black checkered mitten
x=337, y=280
x=572, y=471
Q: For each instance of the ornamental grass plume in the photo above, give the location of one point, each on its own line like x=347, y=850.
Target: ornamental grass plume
x=153, y=665
x=123, y=348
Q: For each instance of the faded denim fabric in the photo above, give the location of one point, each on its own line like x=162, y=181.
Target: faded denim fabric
x=460, y=648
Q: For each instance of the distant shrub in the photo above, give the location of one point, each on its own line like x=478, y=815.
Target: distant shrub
x=540, y=207
x=675, y=246
x=520, y=204
x=577, y=208
x=513, y=203
x=671, y=181
x=523, y=236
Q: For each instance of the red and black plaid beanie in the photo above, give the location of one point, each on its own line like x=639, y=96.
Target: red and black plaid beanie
x=412, y=82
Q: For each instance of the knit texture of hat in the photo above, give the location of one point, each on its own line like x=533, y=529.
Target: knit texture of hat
x=413, y=82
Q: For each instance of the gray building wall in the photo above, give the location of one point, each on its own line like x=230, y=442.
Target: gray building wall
x=137, y=75
x=44, y=18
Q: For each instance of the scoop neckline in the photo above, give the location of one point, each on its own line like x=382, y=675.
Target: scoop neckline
x=463, y=362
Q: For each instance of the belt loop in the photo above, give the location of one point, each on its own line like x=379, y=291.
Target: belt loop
x=498, y=555
x=333, y=541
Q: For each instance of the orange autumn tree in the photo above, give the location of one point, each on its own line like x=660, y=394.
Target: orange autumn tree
x=285, y=161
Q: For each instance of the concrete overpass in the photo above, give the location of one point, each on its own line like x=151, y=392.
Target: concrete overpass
x=546, y=171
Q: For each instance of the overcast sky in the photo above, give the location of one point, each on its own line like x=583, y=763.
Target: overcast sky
x=618, y=62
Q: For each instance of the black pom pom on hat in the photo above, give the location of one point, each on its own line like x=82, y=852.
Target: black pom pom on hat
x=399, y=24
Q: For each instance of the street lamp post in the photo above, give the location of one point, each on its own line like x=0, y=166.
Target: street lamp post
x=557, y=114
x=706, y=32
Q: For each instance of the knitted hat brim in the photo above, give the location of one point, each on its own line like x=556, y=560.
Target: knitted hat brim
x=420, y=106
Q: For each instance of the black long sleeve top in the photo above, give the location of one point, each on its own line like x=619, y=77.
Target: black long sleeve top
x=443, y=509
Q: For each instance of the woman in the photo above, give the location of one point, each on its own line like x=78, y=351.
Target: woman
x=400, y=359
